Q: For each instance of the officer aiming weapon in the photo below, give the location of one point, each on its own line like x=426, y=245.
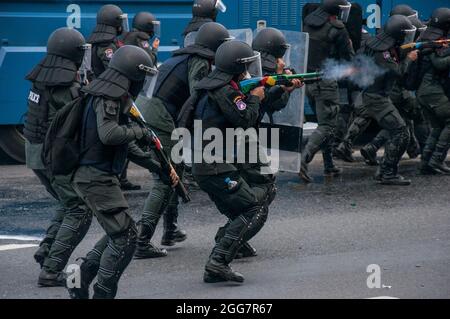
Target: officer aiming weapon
x=425, y=45
x=282, y=79
x=136, y=115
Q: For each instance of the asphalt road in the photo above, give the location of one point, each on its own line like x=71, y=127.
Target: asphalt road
x=317, y=243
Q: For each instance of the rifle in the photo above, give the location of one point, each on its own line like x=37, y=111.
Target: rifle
x=424, y=45
x=280, y=79
x=166, y=165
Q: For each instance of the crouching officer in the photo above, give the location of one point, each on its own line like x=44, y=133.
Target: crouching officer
x=55, y=83
x=203, y=11
x=105, y=138
x=111, y=22
x=144, y=28
x=176, y=80
x=272, y=45
x=221, y=105
x=328, y=39
x=434, y=94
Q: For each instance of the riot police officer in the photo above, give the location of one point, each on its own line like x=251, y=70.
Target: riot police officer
x=176, y=80
x=433, y=94
x=328, y=39
x=273, y=46
x=55, y=83
x=383, y=48
x=111, y=22
x=244, y=201
x=105, y=137
x=144, y=28
x=203, y=11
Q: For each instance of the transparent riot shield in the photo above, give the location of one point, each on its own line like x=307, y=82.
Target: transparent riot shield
x=285, y=127
x=245, y=35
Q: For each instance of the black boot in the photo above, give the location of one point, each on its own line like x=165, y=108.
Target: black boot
x=145, y=249
x=172, y=234
x=344, y=152
x=329, y=168
x=389, y=176
x=369, y=153
x=51, y=279
x=425, y=168
x=437, y=161
x=126, y=185
x=42, y=253
x=413, y=149
x=219, y=270
x=88, y=271
x=304, y=174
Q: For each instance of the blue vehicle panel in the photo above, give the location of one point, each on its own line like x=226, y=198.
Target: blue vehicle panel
x=25, y=26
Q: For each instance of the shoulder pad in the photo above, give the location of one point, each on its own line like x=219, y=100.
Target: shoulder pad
x=337, y=24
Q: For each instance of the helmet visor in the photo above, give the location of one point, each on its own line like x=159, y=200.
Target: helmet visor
x=125, y=25
x=287, y=56
x=344, y=12
x=410, y=35
x=156, y=29
x=86, y=64
x=150, y=80
x=253, y=64
x=221, y=6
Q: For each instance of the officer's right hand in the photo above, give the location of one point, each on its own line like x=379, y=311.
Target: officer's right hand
x=259, y=92
x=139, y=132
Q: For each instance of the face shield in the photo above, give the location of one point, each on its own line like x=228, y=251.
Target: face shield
x=125, y=25
x=410, y=35
x=157, y=29
x=253, y=65
x=287, y=56
x=344, y=12
x=220, y=6
x=150, y=80
x=86, y=64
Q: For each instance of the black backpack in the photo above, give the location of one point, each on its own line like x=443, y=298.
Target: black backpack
x=61, y=152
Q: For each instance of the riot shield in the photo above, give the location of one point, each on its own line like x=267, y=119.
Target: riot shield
x=288, y=122
x=245, y=35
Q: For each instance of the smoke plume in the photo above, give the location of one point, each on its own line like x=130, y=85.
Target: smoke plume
x=361, y=71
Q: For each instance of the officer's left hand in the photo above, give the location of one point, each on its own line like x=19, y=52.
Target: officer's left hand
x=155, y=44
x=174, y=179
x=413, y=55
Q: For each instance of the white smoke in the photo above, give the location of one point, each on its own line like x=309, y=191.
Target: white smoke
x=361, y=71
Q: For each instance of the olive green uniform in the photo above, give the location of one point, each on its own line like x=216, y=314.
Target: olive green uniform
x=59, y=231
x=162, y=197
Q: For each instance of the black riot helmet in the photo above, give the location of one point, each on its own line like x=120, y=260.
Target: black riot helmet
x=234, y=57
x=111, y=15
x=440, y=18
x=420, y=26
x=67, y=43
x=208, y=8
x=403, y=10
x=132, y=62
x=339, y=8
x=211, y=35
x=146, y=22
x=271, y=41
x=400, y=29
